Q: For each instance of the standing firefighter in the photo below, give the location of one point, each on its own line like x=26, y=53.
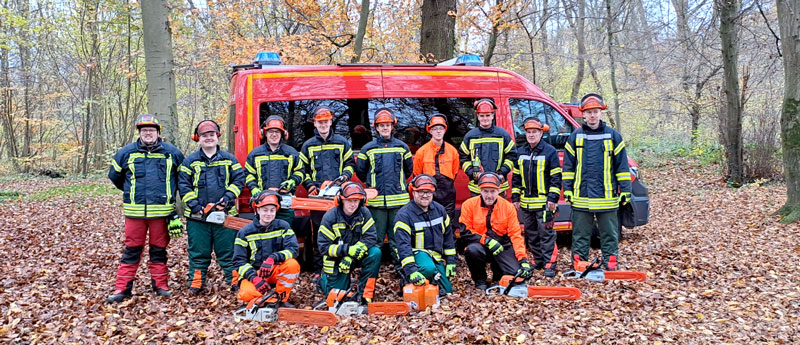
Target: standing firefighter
x=491, y=229
x=274, y=165
x=146, y=171
x=385, y=164
x=487, y=148
x=596, y=181
x=535, y=189
x=209, y=176
x=440, y=160
x=347, y=240
x=425, y=237
x=326, y=157
x=264, y=252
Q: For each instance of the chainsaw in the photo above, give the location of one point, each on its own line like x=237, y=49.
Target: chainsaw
x=265, y=310
x=593, y=272
x=347, y=303
x=515, y=286
x=214, y=213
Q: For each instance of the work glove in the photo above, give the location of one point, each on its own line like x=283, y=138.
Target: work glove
x=568, y=196
x=175, y=227
x=313, y=190
x=417, y=278
x=224, y=200
x=494, y=247
x=450, y=271
x=624, y=198
x=548, y=219
x=261, y=285
x=197, y=209
x=288, y=185
x=341, y=179
x=266, y=268
x=525, y=269
x=358, y=250
x=345, y=264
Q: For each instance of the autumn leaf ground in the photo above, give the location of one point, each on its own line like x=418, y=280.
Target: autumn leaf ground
x=720, y=268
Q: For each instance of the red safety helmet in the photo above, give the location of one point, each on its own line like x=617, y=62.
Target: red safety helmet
x=350, y=191
x=436, y=120
x=485, y=105
x=323, y=113
x=274, y=122
x=205, y=126
x=148, y=120
x=384, y=115
x=534, y=123
x=423, y=181
x=489, y=180
x=592, y=101
x=264, y=198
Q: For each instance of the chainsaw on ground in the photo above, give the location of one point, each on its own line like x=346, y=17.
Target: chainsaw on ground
x=348, y=303
x=593, y=272
x=515, y=286
x=214, y=213
x=266, y=309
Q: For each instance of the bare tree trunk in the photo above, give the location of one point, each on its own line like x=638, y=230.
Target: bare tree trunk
x=362, y=30
x=487, y=58
x=8, y=102
x=729, y=12
x=545, y=37
x=580, y=24
x=612, y=61
x=25, y=70
x=91, y=71
x=789, y=22
x=437, y=32
x=161, y=98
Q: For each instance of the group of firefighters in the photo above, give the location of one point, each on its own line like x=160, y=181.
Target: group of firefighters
x=420, y=225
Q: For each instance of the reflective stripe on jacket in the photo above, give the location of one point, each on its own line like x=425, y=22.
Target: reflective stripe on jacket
x=203, y=180
x=385, y=164
x=147, y=177
x=595, y=167
x=326, y=159
x=255, y=243
x=491, y=148
x=537, y=176
x=417, y=230
x=503, y=224
x=268, y=169
x=338, y=232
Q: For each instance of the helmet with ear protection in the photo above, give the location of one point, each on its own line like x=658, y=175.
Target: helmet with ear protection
x=265, y=197
x=485, y=105
x=534, y=123
x=422, y=181
x=198, y=130
x=350, y=191
x=592, y=101
x=274, y=122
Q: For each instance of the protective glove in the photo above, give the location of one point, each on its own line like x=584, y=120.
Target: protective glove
x=493, y=246
x=224, y=200
x=197, y=209
x=345, y=264
x=624, y=198
x=450, y=271
x=175, y=227
x=525, y=269
x=358, y=250
x=341, y=179
x=261, y=285
x=476, y=175
x=266, y=268
x=313, y=190
x=417, y=278
x=288, y=185
x=568, y=196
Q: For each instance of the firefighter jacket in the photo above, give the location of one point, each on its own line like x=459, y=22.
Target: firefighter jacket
x=337, y=232
x=255, y=243
x=503, y=224
x=429, y=231
x=203, y=180
x=326, y=159
x=385, y=164
x=442, y=163
x=147, y=177
x=268, y=169
x=489, y=149
x=595, y=168
x=537, y=176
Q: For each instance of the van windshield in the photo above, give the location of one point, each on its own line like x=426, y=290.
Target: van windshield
x=560, y=128
x=353, y=118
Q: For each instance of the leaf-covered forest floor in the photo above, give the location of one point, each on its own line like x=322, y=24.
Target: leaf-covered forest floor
x=720, y=268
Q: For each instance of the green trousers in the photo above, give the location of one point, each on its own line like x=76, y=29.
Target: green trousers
x=369, y=269
x=429, y=267
x=203, y=239
x=582, y=224
x=285, y=214
x=384, y=224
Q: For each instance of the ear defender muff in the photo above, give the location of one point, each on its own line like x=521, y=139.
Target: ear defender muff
x=422, y=181
x=266, y=197
x=196, y=135
x=274, y=121
x=350, y=190
x=534, y=123
x=384, y=115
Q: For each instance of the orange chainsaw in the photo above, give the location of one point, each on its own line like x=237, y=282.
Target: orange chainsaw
x=347, y=303
x=266, y=309
x=515, y=286
x=593, y=272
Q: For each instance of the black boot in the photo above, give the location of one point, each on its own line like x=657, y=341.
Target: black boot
x=285, y=304
x=196, y=291
x=160, y=292
x=550, y=272
x=120, y=296
x=480, y=285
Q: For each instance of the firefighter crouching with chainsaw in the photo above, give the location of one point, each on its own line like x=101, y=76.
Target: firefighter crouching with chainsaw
x=264, y=252
x=347, y=239
x=491, y=229
x=209, y=176
x=596, y=181
x=424, y=236
x=535, y=189
x=274, y=164
x=146, y=171
x=487, y=148
x=385, y=164
x=326, y=157
x=439, y=159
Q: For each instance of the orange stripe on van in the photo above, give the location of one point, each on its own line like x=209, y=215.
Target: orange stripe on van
x=249, y=106
x=318, y=74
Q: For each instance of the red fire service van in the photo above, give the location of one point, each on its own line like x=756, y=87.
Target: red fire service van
x=413, y=92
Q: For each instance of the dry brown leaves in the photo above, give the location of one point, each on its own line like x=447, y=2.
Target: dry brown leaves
x=721, y=270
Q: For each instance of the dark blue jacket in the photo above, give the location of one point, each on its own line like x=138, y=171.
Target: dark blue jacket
x=495, y=150
x=326, y=159
x=416, y=230
x=268, y=169
x=205, y=180
x=338, y=232
x=255, y=242
x=386, y=164
x=537, y=176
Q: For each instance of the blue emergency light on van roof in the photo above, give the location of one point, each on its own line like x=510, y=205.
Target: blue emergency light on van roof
x=469, y=60
x=267, y=58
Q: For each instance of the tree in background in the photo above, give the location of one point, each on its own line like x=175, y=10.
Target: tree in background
x=437, y=33
x=731, y=119
x=161, y=97
x=789, y=22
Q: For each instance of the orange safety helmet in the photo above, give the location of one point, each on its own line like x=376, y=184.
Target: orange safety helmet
x=207, y=126
x=148, y=120
x=534, y=123
x=592, y=101
x=274, y=122
x=384, y=115
x=489, y=180
x=323, y=113
x=485, y=105
x=423, y=181
x=264, y=198
x=350, y=191
x=436, y=120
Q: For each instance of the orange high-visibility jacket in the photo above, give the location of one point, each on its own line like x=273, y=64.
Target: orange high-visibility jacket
x=504, y=221
x=425, y=160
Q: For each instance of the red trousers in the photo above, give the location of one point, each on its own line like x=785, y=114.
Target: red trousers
x=136, y=230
